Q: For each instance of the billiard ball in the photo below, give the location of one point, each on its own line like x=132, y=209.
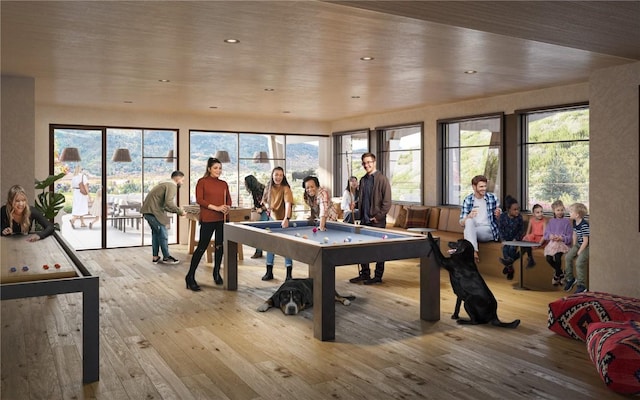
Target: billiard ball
x=304, y=236
x=267, y=229
x=297, y=234
x=326, y=239
x=56, y=265
x=46, y=266
x=315, y=230
x=349, y=238
x=295, y=225
x=385, y=237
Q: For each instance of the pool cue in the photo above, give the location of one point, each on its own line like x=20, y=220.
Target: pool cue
x=224, y=215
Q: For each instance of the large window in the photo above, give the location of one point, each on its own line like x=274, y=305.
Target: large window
x=556, y=156
x=401, y=160
x=349, y=148
x=256, y=154
x=470, y=147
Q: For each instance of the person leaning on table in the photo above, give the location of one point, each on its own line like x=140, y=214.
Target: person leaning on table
x=18, y=217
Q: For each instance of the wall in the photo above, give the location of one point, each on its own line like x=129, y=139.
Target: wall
x=18, y=135
x=613, y=96
x=615, y=180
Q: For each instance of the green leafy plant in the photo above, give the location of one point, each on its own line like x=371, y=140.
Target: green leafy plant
x=48, y=202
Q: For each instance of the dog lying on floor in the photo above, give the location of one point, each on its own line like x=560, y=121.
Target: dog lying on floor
x=468, y=285
x=296, y=295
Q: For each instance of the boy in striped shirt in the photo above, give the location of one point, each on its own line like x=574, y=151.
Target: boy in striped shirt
x=579, y=252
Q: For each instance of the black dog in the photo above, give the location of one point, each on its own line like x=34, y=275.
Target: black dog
x=295, y=295
x=468, y=285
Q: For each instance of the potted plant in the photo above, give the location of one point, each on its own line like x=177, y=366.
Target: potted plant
x=48, y=202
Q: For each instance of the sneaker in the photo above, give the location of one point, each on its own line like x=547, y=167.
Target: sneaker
x=580, y=289
x=155, y=260
x=360, y=278
x=531, y=263
x=169, y=260
x=506, y=262
x=373, y=281
x=510, y=272
x=569, y=285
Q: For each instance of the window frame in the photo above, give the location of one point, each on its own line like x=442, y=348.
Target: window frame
x=444, y=180
x=524, y=143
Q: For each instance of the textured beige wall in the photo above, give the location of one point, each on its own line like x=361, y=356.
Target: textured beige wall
x=17, y=136
x=615, y=180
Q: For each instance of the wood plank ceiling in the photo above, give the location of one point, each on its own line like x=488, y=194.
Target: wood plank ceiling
x=302, y=59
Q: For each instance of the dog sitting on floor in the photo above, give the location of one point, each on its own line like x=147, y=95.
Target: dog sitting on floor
x=296, y=295
x=468, y=285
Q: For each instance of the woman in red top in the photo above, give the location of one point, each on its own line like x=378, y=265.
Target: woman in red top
x=212, y=194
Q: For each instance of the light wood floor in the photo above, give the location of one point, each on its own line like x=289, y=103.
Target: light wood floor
x=161, y=341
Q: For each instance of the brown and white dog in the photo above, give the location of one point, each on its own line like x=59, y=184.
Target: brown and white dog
x=296, y=295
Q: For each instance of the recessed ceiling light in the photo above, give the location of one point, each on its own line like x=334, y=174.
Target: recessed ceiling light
x=470, y=71
x=163, y=80
x=128, y=101
x=269, y=89
x=286, y=112
x=213, y=107
x=232, y=41
x=367, y=58
x=355, y=97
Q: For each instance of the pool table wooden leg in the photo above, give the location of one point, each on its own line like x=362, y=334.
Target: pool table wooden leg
x=324, y=308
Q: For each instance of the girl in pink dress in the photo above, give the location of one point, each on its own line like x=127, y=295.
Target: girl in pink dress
x=535, y=230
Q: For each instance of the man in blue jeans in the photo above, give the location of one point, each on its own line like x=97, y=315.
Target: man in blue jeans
x=159, y=201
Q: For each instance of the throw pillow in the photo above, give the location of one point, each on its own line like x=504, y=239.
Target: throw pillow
x=417, y=217
x=401, y=219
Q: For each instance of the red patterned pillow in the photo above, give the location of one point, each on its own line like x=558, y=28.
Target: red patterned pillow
x=614, y=348
x=571, y=315
x=417, y=217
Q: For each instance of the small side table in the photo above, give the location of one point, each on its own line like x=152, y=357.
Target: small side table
x=521, y=244
x=422, y=231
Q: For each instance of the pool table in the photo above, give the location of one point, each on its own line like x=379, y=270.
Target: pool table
x=341, y=244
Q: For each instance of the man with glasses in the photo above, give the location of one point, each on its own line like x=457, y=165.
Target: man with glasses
x=374, y=204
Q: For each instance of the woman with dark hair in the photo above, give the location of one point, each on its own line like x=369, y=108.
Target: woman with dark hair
x=212, y=194
x=257, y=191
x=18, y=216
x=349, y=200
x=319, y=200
x=278, y=199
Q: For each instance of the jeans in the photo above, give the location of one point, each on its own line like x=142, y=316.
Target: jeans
x=207, y=229
x=270, y=256
x=159, y=236
x=581, y=262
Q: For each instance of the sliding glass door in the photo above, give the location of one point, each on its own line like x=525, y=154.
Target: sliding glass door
x=121, y=166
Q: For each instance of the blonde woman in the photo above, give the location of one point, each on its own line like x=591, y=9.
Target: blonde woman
x=18, y=216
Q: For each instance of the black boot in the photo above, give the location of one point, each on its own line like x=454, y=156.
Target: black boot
x=216, y=275
x=269, y=274
x=289, y=277
x=363, y=275
x=257, y=254
x=191, y=283
x=377, y=276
